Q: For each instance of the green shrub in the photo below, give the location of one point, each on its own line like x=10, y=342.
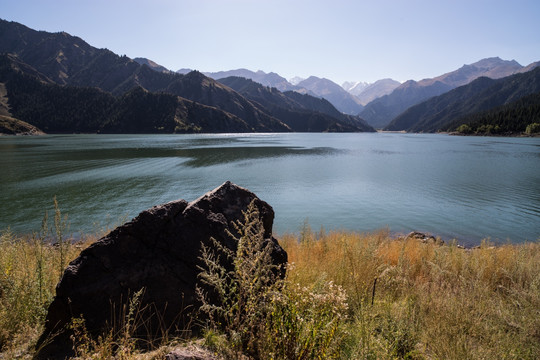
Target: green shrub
x=532, y=128
x=305, y=323
x=259, y=314
x=464, y=129
x=238, y=300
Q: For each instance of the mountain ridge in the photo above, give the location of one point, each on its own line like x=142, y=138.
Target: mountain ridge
x=446, y=111
x=91, y=67
x=151, y=64
x=301, y=112
x=267, y=79
x=67, y=109
x=325, y=88
x=376, y=90
x=314, y=86
x=381, y=111
x=65, y=60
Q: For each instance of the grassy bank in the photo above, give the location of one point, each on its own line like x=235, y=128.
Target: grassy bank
x=408, y=299
x=346, y=295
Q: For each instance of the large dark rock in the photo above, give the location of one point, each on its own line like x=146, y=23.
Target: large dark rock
x=159, y=251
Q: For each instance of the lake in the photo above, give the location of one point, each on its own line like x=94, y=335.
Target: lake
x=467, y=188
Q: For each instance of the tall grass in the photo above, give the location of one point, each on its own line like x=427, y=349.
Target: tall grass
x=259, y=314
x=414, y=300
x=346, y=295
x=30, y=267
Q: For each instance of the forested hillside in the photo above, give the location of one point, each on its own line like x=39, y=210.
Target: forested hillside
x=66, y=109
x=303, y=113
x=522, y=115
x=457, y=107
x=79, y=88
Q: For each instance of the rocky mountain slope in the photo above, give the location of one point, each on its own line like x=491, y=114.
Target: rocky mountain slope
x=354, y=87
x=12, y=126
x=446, y=112
x=68, y=60
x=64, y=60
x=381, y=111
x=376, y=90
x=267, y=79
x=151, y=64
x=301, y=112
x=66, y=109
x=341, y=99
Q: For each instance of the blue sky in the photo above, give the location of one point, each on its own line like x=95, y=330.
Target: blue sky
x=338, y=39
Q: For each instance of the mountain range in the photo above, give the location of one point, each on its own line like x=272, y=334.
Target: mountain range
x=38, y=63
x=300, y=111
x=382, y=101
x=366, y=93
x=315, y=86
x=267, y=79
x=339, y=97
x=353, y=87
x=57, y=82
x=381, y=111
x=448, y=111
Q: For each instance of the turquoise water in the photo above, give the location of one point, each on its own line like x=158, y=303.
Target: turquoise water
x=467, y=188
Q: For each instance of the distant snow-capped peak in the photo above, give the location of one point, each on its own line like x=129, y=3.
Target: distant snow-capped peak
x=354, y=86
x=296, y=80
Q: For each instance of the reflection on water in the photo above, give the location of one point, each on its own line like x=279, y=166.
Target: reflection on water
x=463, y=187
x=200, y=157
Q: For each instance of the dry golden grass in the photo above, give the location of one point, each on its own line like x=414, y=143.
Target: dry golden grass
x=29, y=272
x=415, y=300
x=405, y=298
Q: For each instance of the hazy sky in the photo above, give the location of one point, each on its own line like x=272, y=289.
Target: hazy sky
x=340, y=40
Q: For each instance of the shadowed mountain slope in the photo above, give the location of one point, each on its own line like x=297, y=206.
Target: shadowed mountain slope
x=519, y=116
x=65, y=60
x=299, y=111
x=65, y=109
x=68, y=60
x=380, y=112
x=442, y=112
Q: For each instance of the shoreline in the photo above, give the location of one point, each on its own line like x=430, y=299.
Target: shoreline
x=378, y=131
x=510, y=135
x=422, y=236
x=379, y=287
